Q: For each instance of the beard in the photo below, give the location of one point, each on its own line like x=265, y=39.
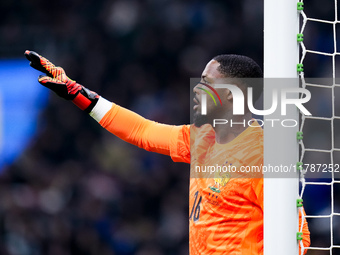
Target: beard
x=199, y=119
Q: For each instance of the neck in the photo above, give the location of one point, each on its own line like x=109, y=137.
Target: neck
x=235, y=126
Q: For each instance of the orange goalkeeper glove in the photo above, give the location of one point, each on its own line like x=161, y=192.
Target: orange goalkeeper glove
x=57, y=80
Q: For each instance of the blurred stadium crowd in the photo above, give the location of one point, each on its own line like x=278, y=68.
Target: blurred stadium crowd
x=77, y=189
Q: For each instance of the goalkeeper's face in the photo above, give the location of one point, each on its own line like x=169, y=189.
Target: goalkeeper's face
x=209, y=78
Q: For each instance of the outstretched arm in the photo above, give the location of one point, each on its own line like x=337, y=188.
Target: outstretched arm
x=152, y=136
x=127, y=125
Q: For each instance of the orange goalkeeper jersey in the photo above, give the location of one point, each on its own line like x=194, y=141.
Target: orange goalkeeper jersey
x=226, y=214
x=225, y=210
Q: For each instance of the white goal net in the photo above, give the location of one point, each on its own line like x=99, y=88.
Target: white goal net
x=319, y=134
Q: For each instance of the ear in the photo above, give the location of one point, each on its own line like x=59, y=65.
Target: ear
x=229, y=95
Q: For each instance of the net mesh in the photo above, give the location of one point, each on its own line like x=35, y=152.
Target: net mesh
x=320, y=146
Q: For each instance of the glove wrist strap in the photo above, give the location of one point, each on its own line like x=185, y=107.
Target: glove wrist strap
x=86, y=100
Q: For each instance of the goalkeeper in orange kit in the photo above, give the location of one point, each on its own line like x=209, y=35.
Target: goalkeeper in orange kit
x=225, y=213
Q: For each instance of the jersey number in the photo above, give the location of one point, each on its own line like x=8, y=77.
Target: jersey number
x=195, y=211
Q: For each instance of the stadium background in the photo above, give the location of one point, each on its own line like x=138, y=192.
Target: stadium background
x=76, y=189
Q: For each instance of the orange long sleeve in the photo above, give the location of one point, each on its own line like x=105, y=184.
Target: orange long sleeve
x=152, y=136
x=305, y=231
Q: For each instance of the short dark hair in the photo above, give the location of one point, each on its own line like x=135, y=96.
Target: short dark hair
x=243, y=68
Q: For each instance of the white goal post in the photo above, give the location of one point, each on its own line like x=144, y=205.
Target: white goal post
x=281, y=56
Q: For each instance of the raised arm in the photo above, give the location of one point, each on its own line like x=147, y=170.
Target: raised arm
x=152, y=136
